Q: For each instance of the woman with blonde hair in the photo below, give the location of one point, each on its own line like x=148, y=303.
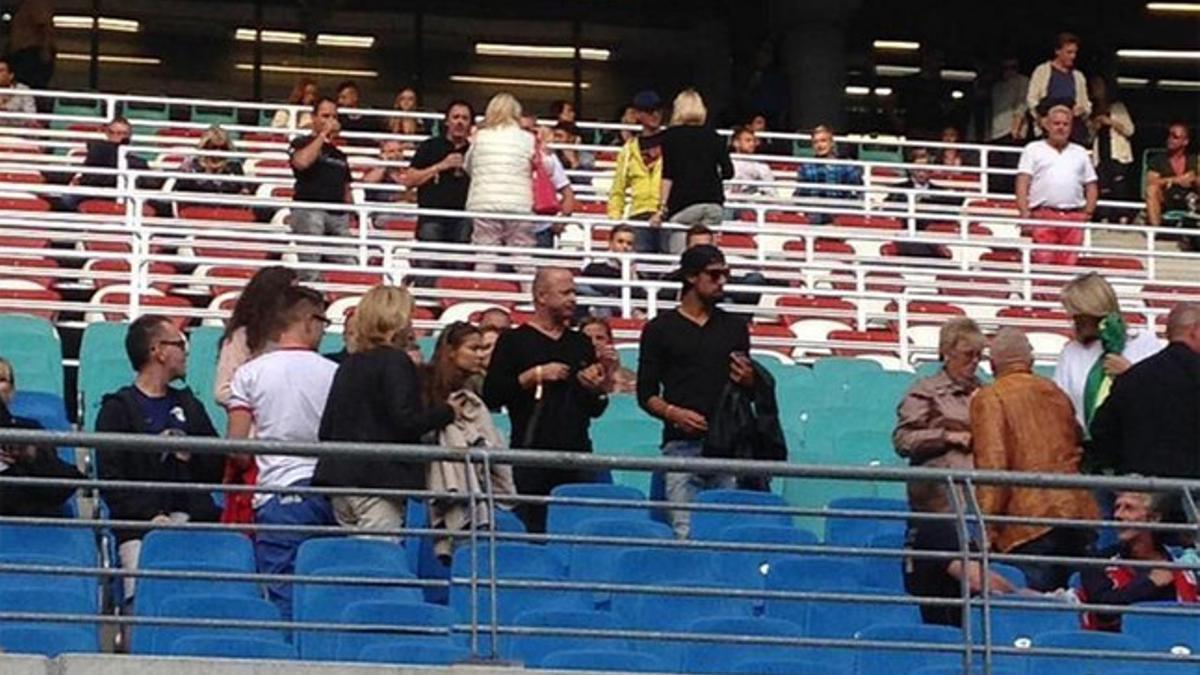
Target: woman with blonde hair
x=376, y=398
x=933, y=426
x=406, y=102
x=214, y=139
x=304, y=93
x=695, y=162
x=1103, y=347
x=500, y=163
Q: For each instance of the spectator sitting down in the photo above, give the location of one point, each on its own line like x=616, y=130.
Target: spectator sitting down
x=824, y=148
x=744, y=142
x=15, y=103
x=1171, y=181
x=215, y=139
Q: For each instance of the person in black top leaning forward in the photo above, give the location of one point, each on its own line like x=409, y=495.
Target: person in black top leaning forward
x=322, y=175
x=685, y=359
x=437, y=172
x=553, y=385
x=695, y=161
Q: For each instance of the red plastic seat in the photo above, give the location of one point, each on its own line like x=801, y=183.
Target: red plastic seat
x=1160, y=295
x=238, y=275
x=179, y=132
x=12, y=241
x=877, y=282
x=866, y=342
x=107, y=246
x=264, y=137
x=595, y=208
x=158, y=302
x=228, y=249
x=10, y=295
x=809, y=307
x=25, y=177
x=924, y=312
x=363, y=280
x=1001, y=256
x=627, y=328
x=122, y=267
x=985, y=287
x=477, y=286
x=1110, y=263
x=868, y=222
x=109, y=207
x=23, y=204
x=32, y=265
x=829, y=246
x=773, y=332
x=391, y=223
x=729, y=240
x=787, y=217
x=218, y=213
x=973, y=229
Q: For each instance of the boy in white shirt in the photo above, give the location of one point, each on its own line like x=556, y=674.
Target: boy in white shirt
x=282, y=394
x=744, y=142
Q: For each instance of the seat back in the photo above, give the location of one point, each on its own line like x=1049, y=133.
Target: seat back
x=715, y=657
x=414, y=623
x=232, y=647
x=1082, y=664
x=707, y=524
x=532, y=649
x=103, y=366
x=624, y=661
x=227, y=607
x=565, y=518
x=32, y=345
x=858, y=531
x=325, y=603
x=872, y=660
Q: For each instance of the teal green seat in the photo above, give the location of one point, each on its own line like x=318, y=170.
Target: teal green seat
x=842, y=369
x=203, y=349
x=629, y=437
x=803, y=149
x=884, y=391
x=877, y=155
x=427, y=345
x=824, y=424
x=146, y=111
x=796, y=397
x=210, y=115
x=32, y=346
x=265, y=117
x=77, y=108
x=815, y=493
x=1045, y=370
x=865, y=446
x=624, y=407
x=332, y=343
x=103, y=366
x=929, y=368
x=628, y=357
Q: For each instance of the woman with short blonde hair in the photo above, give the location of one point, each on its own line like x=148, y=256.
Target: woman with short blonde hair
x=383, y=318
x=695, y=162
x=376, y=398
x=500, y=163
x=216, y=139
x=1103, y=347
x=959, y=331
x=688, y=109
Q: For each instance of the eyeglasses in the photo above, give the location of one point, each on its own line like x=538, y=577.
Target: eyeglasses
x=322, y=319
x=716, y=274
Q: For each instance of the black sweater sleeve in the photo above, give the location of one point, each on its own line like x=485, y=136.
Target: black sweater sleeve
x=410, y=419
x=723, y=160
x=649, y=382
x=500, y=387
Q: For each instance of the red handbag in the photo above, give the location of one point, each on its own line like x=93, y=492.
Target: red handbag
x=545, y=197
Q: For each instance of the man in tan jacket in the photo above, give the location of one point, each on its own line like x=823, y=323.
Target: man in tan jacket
x=1024, y=422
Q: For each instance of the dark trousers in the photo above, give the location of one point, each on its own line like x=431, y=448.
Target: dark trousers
x=275, y=552
x=1060, y=541
x=533, y=481
x=446, y=230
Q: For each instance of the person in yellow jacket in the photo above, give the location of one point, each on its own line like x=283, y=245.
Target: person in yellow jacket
x=638, y=172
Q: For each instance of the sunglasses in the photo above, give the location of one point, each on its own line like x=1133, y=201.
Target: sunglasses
x=716, y=274
x=180, y=343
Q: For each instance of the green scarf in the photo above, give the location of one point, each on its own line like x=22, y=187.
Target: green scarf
x=1099, y=383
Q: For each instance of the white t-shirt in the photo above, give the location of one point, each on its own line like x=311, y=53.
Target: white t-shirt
x=285, y=391
x=747, y=170
x=1077, y=359
x=1058, y=176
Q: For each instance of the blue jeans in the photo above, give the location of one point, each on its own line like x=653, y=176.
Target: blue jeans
x=682, y=488
x=275, y=552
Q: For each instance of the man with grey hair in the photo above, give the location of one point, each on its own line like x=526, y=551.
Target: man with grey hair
x=1150, y=423
x=1056, y=181
x=549, y=378
x=1024, y=422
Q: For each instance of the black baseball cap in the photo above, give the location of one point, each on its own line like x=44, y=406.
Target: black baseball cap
x=695, y=260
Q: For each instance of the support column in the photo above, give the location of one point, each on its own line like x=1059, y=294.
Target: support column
x=814, y=58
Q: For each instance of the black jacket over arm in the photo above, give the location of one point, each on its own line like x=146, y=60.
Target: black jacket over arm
x=119, y=412
x=745, y=424
x=376, y=398
x=1150, y=423
x=34, y=500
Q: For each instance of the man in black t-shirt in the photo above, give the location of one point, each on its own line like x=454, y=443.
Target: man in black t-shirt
x=1172, y=182
x=348, y=97
x=437, y=172
x=549, y=378
x=322, y=175
x=686, y=357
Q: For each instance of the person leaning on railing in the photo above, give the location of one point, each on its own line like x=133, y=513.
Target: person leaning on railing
x=1023, y=422
x=933, y=427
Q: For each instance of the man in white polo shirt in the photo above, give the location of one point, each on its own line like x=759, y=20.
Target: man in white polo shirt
x=282, y=394
x=1056, y=181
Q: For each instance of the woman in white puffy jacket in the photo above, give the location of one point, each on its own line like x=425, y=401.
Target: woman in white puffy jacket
x=500, y=163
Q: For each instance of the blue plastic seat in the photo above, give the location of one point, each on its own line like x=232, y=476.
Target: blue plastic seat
x=745, y=568
x=1163, y=633
x=813, y=666
x=707, y=524
x=71, y=545
x=533, y=649
x=854, y=531
x=563, y=518
x=232, y=647
x=871, y=660
x=324, y=603
x=417, y=623
x=228, y=607
x=315, y=555
x=386, y=651
x=886, y=572
x=57, y=599
x=1087, y=641
x=623, y=661
x=958, y=670
x=715, y=657
x=1013, y=625
x=595, y=561
x=47, y=640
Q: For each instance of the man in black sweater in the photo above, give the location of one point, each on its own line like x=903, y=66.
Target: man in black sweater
x=1150, y=423
x=686, y=357
x=549, y=378
x=157, y=350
